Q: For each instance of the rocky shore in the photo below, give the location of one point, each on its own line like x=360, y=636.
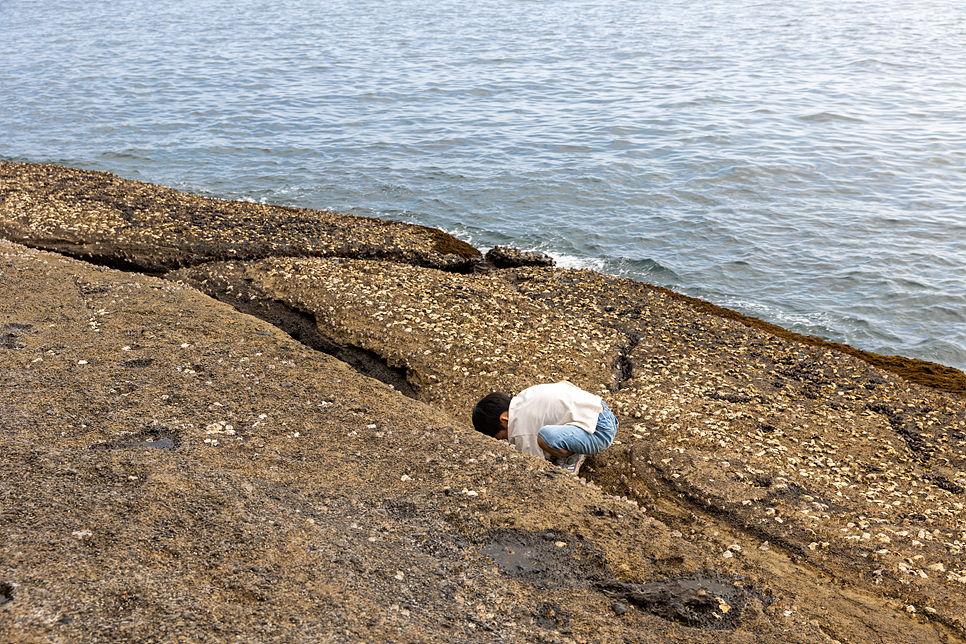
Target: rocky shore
x=231, y=422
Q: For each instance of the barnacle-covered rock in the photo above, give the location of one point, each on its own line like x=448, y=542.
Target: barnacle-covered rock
x=509, y=257
x=102, y=218
x=173, y=464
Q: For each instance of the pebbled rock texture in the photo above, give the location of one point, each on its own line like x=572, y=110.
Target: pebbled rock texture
x=186, y=460
x=102, y=218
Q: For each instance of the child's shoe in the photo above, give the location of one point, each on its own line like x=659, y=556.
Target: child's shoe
x=573, y=462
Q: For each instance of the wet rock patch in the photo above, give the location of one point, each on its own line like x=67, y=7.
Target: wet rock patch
x=168, y=438
x=546, y=559
x=6, y=593
x=508, y=257
x=11, y=335
x=550, y=616
x=701, y=599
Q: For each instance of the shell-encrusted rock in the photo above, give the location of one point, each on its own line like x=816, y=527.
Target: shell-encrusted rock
x=102, y=218
x=508, y=257
x=167, y=455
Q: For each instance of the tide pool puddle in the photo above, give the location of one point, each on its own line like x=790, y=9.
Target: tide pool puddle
x=161, y=443
x=517, y=558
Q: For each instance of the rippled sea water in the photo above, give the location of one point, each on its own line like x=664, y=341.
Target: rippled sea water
x=802, y=161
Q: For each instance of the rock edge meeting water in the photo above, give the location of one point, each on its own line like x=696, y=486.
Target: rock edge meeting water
x=801, y=162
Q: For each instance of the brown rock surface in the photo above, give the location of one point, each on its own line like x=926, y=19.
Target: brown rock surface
x=102, y=218
x=176, y=469
x=730, y=435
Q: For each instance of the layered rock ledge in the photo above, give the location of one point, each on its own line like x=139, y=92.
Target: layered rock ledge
x=104, y=219
x=185, y=460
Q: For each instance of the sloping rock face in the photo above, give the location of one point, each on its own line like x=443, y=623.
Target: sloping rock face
x=729, y=435
x=454, y=338
x=128, y=224
x=175, y=469
x=179, y=468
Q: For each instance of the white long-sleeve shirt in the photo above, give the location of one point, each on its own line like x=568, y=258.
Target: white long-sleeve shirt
x=560, y=403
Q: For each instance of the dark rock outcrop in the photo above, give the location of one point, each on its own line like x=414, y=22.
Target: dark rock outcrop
x=507, y=257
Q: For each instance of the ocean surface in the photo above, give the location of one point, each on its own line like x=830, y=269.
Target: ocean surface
x=801, y=161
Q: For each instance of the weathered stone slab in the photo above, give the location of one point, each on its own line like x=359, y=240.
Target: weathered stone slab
x=176, y=470
x=725, y=429
x=102, y=218
x=455, y=338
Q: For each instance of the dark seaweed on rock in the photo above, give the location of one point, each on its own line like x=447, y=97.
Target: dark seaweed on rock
x=923, y=372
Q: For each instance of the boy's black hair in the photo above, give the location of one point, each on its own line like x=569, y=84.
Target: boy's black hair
x=486, y=414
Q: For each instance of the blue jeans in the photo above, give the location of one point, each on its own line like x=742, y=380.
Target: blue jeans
x=574, y=439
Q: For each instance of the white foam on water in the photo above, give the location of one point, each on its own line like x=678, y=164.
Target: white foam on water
x=572, y=261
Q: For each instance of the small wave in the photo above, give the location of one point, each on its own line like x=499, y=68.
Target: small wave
x=826, y=117
x=818, y=323
x=643, y=270
x=598, y=264
x=124, y=156
x=943, y=351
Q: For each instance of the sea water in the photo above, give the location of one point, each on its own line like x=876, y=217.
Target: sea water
x=801, y=161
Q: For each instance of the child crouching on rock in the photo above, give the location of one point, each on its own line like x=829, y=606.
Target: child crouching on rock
x=559, y=422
